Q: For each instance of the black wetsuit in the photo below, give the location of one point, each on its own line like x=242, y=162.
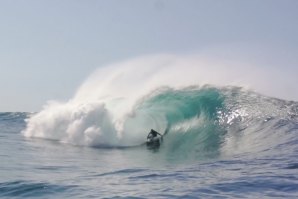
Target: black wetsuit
x=153, y=134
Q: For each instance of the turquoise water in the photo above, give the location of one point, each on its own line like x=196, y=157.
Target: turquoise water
x=222, y=143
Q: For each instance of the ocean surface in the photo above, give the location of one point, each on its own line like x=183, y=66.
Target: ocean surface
x=223, y=142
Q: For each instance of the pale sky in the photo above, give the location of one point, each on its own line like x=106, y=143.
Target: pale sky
x=49, y=47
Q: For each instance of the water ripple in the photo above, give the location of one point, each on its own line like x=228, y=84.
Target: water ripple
x=30, y=189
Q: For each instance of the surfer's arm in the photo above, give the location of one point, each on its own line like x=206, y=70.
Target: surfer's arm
x=167, y=129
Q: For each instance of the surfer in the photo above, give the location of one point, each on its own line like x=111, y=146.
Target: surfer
x=152, y=134
x=154, y=139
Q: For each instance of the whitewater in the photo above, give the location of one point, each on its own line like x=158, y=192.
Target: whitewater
x=230, y=135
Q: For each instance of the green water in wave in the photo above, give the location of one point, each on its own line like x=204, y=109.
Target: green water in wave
x=192, y=118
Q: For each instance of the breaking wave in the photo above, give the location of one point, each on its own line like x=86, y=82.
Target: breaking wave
x=119, y=104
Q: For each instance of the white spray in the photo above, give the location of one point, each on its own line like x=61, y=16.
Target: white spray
x=97, y=114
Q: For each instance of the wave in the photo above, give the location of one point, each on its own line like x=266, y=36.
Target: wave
x=13, y=116
x=203, y=120
x=30, y=189
x=119, y=104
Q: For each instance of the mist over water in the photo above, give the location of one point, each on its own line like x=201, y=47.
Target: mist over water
x=205, y=103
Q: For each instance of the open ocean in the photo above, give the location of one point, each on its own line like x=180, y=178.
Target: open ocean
x=222, y=143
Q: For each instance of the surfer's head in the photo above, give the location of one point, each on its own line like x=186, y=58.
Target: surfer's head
x=153, y=132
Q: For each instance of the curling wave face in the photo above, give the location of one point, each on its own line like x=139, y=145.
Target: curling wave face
x=203, y=122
